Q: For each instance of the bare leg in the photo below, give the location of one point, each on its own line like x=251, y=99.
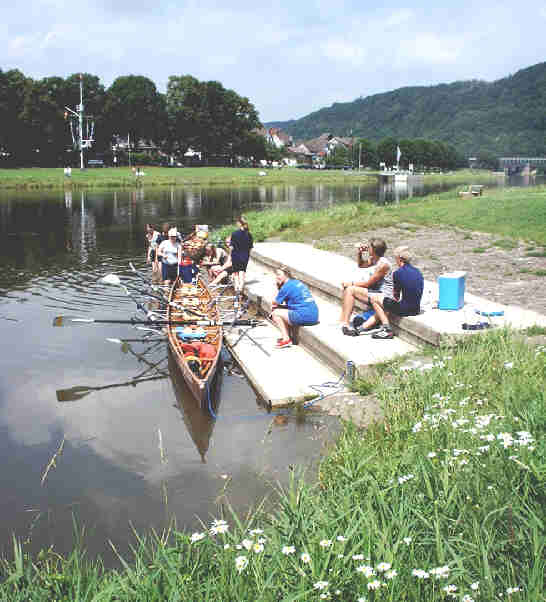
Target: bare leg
x=281, y=321
x=349, y=295
x=377, y=304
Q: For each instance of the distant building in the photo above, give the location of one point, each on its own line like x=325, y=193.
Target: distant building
x=275, y=137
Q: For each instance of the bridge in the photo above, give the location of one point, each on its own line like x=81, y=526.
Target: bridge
x=521, y=165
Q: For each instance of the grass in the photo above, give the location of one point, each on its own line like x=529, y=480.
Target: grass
x=512, y=213
x=536, y=254
x=479, y=250
x=447, y=495
x=110, y=177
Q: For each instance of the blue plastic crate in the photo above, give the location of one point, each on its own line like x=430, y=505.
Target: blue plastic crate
x=451, y=290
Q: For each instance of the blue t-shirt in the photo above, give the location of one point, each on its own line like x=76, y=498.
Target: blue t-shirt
x=295, y=295
x=409, y=281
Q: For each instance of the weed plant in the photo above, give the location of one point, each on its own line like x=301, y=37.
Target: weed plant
x=445, y=500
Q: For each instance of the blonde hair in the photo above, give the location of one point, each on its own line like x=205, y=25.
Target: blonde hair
x=286, y=271
x=403, y=253
x=243, y=221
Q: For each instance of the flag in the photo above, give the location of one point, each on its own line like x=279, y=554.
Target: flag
x=398, y=154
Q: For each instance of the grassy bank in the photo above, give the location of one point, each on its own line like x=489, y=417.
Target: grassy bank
x=38, y=178
x=518, y=213
x=445, y=500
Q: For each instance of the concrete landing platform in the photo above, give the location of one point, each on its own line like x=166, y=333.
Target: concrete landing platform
x=279, y=376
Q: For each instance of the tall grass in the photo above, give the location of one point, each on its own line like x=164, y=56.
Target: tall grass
x=445, y=500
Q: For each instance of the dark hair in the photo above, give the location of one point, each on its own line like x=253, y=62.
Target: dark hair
x=165, y=226
x=150, y=226
x=243, y=221
x=379, y=246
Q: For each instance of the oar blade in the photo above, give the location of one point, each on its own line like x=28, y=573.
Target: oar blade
x=60, y=321
x=72, y=394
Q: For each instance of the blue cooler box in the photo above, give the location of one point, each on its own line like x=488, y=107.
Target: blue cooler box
x=451, y=290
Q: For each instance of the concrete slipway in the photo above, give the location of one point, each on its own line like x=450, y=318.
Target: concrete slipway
x=280, y=376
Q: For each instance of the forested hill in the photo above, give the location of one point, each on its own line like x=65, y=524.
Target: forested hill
x=507, y=116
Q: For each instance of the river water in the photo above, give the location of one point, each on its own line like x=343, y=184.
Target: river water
x=99, y=428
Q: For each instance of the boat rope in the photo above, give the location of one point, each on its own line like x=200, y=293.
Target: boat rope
x=336, y=386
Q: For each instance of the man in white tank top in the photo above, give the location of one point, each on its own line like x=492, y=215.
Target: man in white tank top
x=380, y=280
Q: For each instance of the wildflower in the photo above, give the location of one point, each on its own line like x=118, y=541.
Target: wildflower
x=475, y=586
x=218, y=526
x=420, y=574
x=324, y=596
x=321, y=585
x=508, y=365
x=325, y=543
x=258, y=548
x=467, y=598
x=417, y=427
x=407, y=540
x=255, y=531
x=241, y=563
x=362, y=599
x=431, y=455
x=483, y=448
x=287, y=550
x=373, y=585
x=341, y=538
x=391, y=574
x=440, y=572
x=450, y=589
x=382, y=567
x=366, y=570
x=247, y=544
x=358, y=557
x=197, y=537
x=513, y=590
x=262, y=540
x=226, y=546
x=305, y=558
x=506, y=438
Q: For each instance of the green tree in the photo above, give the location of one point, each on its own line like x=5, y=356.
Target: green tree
x=133, y=106
x=367, y=153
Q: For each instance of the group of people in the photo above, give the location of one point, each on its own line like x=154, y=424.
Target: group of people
x=384, y=290
x=166, y=252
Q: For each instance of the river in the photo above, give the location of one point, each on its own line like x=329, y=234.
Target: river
x=98, y=428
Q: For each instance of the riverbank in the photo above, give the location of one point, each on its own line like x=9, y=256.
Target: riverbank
x=446, y=497
x=123, y=177
x=499, y=239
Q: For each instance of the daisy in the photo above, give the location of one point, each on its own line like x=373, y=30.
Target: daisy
x=382, y=567
x=325, y=543
x=305, y=558
x=286, y=550
x=321, y=585
x=197, y=537
x=219, y=526
x=373, y=585
x=241, y=563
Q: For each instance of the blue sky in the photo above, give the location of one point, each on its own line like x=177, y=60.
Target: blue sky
x=289, y=58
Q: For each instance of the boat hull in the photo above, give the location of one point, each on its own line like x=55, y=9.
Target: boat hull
x=197, y=298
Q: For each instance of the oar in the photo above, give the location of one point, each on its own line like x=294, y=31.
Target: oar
x=115, y=281
x=66, y=320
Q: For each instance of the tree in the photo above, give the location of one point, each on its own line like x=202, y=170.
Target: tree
x=183, y=104
x=366, y=153
x=133, y=106
x=14, y=130
x=386, y=151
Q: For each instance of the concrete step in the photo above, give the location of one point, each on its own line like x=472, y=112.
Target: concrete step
x=279, y=376
x=325, y=340
x=323, y=272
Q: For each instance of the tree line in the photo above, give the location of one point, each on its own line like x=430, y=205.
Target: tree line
x=201, y=115
x=422, y=154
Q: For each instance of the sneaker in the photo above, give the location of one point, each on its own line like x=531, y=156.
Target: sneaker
x=348, y=331
x=383, y=333
x=283, y=344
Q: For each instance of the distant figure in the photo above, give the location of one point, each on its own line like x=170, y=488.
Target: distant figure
x=167, y=253
x=153, y=238
x=241, y=244
x=68, y=172
x=115, y=161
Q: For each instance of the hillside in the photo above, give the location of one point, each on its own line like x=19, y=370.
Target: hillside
x=507, y=116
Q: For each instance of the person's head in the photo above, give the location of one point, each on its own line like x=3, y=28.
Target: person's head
x=150, y=228
x=282, y=274
x=165, y=227
x=377, y=247
x=172, y=234
x=402, y=254
x=242, y=222
x=210, y=250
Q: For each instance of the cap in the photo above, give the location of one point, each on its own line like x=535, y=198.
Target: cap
x=173, y=232
x=403, y=252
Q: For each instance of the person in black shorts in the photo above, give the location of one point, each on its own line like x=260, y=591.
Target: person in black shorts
x=241, y=243
x=408, y=284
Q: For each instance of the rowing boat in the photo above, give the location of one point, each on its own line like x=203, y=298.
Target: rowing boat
x=196, y=348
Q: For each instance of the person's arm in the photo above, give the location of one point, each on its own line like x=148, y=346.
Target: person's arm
x=396, y=289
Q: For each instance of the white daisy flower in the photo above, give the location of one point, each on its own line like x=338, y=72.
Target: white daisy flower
x=197, y=537
x=287, y=550
x=241, y=563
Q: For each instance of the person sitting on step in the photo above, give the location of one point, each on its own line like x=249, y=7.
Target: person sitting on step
x=379, y=282
x=298, y=306
x=408, y=283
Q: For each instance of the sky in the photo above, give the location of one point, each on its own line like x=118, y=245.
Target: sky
x=288, y=58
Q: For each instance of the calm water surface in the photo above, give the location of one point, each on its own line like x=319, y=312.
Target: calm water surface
x=136, y=449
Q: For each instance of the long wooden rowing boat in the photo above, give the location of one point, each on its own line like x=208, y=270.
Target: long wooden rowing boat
x=196, y=348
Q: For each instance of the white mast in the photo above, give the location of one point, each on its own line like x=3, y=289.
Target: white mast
x=83, y=136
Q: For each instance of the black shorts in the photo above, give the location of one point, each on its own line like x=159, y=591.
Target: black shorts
x=239, y=266
x=395, y=307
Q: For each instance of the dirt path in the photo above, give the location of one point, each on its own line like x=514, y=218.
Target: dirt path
x=508, y=276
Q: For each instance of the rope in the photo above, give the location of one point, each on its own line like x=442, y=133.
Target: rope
x=337, y=386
